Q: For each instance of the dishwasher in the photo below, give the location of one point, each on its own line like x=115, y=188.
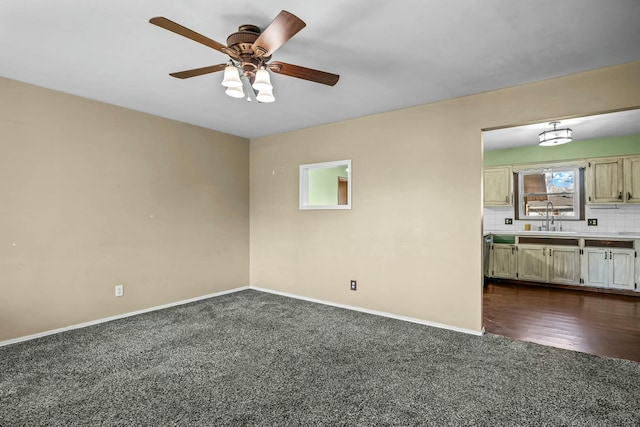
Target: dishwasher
x=486, y=247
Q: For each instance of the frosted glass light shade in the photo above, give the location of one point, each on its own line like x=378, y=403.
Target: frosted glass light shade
x=265, y=96
x=556, y=136
x=235, y=92
x=231, y=77
x=263, y=81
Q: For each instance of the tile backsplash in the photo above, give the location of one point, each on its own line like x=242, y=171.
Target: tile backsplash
x=611, y=218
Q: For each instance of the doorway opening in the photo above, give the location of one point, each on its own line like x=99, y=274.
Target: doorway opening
x=561, y=312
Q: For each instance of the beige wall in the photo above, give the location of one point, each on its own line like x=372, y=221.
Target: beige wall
x=413, y=237
x=94, y=195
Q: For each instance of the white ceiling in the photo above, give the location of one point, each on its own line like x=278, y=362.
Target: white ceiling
x=608, y=125
x=389, y=55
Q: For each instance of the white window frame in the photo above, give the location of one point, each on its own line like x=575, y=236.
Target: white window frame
x=304, y=184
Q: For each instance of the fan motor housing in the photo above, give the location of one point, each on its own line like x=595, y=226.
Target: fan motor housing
x=242, y=40
x=240, y=48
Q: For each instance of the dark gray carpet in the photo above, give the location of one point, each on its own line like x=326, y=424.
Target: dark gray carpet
x=252, y=358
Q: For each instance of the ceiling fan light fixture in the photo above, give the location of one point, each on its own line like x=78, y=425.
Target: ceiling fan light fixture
x=235, y=92
x=265, y=96
x=263, y=81
x=555, y=136
x=231, y=77
x=249, y=51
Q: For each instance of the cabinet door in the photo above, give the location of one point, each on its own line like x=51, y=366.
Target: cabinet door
x=497, y=186
x=564, y=265
x=605, y=180
x=504, y=261
x=632, y=179
x=621, y=268
x=595, y=267
x=532, y=263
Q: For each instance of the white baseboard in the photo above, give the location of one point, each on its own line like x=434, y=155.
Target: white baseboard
x=119, y=316
x=217, y=294
x=375, y=312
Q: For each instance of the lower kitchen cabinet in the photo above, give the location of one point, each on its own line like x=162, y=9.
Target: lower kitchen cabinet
x=565, y=261
x=532, y=263
x=609, y=268
x=564, y=265
x=553, y=264
x=504, y=261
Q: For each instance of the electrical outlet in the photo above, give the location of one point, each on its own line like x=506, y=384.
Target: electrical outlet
x=592, y=222
x=119, y=290
x=508, y=221
x=353, y=285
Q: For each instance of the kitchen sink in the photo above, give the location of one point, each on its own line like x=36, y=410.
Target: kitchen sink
x=501, y=238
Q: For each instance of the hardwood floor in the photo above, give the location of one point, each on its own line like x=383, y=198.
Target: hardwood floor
x=602, y=324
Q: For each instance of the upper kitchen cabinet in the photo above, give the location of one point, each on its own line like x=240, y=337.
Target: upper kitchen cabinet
x=604, y=180
x=631, y=170
x=613, y=180
x=497, y=186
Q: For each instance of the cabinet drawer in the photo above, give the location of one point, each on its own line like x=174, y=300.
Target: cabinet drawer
x=625, y=244
x=554, y=241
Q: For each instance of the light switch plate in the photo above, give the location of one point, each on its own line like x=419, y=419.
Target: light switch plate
x=508, y=221
x=592, y=222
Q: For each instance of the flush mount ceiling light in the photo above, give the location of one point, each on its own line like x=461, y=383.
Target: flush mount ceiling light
x=249, y=50
x=555, y=136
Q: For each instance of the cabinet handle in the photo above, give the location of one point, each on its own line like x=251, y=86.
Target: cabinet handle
x=620, y=195
x=628, y=196
x=605, y=254
x=610, y=256
x=550, y=251
x=506, y=199
x=544, y=251
x=513, y=249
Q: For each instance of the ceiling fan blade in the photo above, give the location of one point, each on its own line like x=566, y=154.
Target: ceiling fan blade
x=198, y=71
x=304, y=73
x=281, y=29
x=185, y=32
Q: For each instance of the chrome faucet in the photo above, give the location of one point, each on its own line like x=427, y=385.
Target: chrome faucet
x=547, y=215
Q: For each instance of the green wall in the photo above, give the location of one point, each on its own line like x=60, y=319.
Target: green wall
x=615, y=146
x=323, y=185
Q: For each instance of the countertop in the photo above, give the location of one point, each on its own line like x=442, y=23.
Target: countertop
x=632, y=235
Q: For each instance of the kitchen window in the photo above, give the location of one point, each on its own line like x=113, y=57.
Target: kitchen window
x=556, y=190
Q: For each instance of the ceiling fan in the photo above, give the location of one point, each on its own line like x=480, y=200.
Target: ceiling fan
x=250, y=49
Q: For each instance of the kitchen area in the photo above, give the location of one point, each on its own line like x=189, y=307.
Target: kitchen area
x=567, y=218
x=561, y=225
